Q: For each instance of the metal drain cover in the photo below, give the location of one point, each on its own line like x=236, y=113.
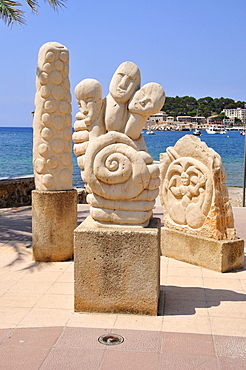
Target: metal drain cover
x=110, y=339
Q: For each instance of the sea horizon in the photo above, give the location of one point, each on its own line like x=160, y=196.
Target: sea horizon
x=16, y=152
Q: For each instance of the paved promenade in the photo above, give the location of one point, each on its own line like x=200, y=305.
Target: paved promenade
x=201, y=322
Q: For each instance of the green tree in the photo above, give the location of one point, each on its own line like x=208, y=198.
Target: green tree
x=11, y=14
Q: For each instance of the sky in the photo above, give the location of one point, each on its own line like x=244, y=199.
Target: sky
x=191, y=47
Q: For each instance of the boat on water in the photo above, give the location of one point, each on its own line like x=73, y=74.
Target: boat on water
x=242, y=132
x=215, y=130
x=197, y=132
x=149, y=131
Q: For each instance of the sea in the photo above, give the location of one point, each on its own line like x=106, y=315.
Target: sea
x=16, y=151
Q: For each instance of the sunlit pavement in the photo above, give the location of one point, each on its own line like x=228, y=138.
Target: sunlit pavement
x=201, y=322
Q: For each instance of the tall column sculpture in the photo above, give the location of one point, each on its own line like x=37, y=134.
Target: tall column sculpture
x=54, y=200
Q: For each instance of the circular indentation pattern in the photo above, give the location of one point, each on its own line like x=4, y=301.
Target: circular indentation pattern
x=46, y=133
x=47, y=67
x=44, y=91
x=66, y=84
x=43, y=149
x=58, y=145
x=50, y=106
x=64, y=56
x=68, y=120
x=58, y=92
x=59, y=65
x=67, y=133
x=48, y=180
x=66, y=70
x=43, y=77
x=56, y=77
x=46, y=119
x=58, y=122
x=66, y=159
x=64, y=107
x=65, y=175
x=50, y=56
x=68, y=97
x=52, y=162
x=39, y=165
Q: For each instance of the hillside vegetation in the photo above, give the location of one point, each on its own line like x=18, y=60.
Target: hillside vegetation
x=189, y=106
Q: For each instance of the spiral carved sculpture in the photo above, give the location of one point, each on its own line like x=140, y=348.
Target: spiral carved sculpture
x=120, y=176
x=52, y=148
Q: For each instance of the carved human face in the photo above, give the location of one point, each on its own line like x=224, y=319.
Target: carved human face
x=125, y=81
x=185, y=179
x=89, y=96
x=148, y=100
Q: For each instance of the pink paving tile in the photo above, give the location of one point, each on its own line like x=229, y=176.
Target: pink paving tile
x=243, y=283
x=227, y=346
x=85, y=338
x=232, y=363
x=122, y=360
x=73, y=359
x=172, y=361
x=190, y=344
x=218, y=295
x=185, y=293
x=185, y=307
x=4, y=333
x=138, y=341
x=22, y=358
x=33, y=336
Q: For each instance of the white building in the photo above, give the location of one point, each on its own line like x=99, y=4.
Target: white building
x=239, y=113
x=158, y=117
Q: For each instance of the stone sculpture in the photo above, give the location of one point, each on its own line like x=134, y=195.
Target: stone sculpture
x=54, y=202
x=193, y=191
x=52, y=149
x=198, y=219
x=120, y=176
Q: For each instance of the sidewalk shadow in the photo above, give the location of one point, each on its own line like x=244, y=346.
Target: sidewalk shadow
x=175, y=300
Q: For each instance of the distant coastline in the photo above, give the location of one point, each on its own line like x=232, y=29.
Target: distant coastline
x=16, y=152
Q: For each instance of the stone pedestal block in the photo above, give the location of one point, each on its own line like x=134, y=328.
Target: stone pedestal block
x=218, y=255
x=54, y=218
x=117, y=270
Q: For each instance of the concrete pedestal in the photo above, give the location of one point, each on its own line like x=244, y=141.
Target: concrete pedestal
x=218, y=255
x=117, y=270
x=54, y=218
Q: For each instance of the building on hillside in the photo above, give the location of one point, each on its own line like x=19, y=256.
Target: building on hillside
x=170, y=119
x=214, y=120
x=158, y=117
x=228, y=121
x=239, y=113
x=188, y=119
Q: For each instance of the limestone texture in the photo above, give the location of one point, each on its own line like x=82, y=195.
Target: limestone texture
x=218, y=255
x=52, y=123
x=54, y=218
x=121, y=178
x=117, y=270
x=198, y=218
x=193, y=193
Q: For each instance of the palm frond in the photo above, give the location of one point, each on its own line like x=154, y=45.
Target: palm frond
x=10, y=14
x=57, y=3
x=33, y=5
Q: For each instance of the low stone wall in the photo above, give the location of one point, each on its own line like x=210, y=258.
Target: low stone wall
x=16, y=191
